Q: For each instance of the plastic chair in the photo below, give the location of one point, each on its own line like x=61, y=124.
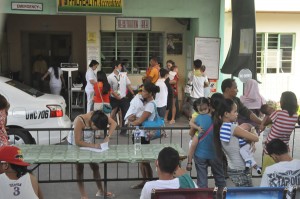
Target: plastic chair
x=255, y=192
x=195, y=193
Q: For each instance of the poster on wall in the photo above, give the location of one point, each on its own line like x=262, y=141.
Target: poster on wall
x=90, y=6
x=207, y=49
x=174, y=44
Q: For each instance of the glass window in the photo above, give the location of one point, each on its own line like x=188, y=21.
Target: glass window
x=274, y=52
x=133, y=49
x=27, y=89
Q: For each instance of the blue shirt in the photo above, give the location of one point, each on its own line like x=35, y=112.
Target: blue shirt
x=206, y=148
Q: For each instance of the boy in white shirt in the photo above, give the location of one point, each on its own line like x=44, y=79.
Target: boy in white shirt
x=170, y=175
x=161, y=97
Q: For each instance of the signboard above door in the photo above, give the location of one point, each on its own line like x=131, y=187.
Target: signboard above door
x=90, y=6
x=27, y=6
x=132, y=23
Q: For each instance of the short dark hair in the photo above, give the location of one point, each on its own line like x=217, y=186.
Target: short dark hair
x=227, y=83
x=277, y=147
x=197, y=63
x=93, y=63
x=171, y=62
x=99, y=119
x=168, y=160
x=154, y=58
x=115, y=63
x=163, y=72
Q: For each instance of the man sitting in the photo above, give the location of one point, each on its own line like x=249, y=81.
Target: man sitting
x=170, y=175
x=285, y=172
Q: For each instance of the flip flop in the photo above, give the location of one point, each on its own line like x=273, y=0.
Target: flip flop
x=108, y=194
x=172, y=122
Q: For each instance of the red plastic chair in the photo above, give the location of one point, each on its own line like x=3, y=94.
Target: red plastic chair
x=195, y=193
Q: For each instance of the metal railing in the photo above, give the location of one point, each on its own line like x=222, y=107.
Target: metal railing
x=52, y=173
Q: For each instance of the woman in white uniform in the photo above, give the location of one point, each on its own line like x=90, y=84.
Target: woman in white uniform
x=56, y=79
x=91, y=79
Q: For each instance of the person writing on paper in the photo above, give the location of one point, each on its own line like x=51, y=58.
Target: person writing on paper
x=83, y=136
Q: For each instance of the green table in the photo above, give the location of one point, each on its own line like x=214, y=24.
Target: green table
x=60, y=154
x=38, y=154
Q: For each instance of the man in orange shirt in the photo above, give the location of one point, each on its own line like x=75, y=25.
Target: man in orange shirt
x=152, y=73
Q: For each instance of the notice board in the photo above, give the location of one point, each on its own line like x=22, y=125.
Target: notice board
x=207, y=49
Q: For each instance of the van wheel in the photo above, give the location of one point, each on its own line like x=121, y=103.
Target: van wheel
x=18, y=137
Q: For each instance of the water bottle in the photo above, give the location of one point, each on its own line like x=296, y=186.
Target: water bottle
x=137, y=139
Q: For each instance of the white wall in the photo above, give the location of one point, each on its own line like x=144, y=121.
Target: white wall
x=273, y=85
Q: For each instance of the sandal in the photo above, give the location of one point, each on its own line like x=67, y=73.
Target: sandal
x=138, y=186
x=108, y=194
x=172, y=122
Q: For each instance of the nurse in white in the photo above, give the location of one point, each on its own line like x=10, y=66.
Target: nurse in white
x=56, y=79
x=91, y=79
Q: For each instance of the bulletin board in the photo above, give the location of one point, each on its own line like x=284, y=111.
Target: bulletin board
x=207, y=49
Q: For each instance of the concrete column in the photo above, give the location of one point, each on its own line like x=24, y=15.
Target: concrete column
x=93, y=38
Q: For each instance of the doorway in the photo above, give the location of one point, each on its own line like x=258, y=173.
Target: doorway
x=55, y=48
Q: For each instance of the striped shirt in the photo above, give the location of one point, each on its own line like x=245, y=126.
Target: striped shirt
x=225, y=133
x=282, y=126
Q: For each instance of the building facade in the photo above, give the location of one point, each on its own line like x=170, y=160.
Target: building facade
x=278, y=36
x=43, y=27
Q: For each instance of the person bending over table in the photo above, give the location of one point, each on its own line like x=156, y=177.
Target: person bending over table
x=83, y=136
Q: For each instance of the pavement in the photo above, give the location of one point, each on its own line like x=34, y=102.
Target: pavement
x=122, y=189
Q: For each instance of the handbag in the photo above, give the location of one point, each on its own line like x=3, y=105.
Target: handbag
x=106, y=108
x=157, y=122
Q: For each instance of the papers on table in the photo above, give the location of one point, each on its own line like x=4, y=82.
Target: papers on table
x=104, y=147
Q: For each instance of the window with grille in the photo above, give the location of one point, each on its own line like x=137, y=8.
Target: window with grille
x=133, y=49
x=274, y=52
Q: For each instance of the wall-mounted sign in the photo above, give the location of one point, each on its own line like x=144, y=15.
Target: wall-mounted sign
x=207, y=49
x=128, y=23
x=27, y=6
x=91, y=6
